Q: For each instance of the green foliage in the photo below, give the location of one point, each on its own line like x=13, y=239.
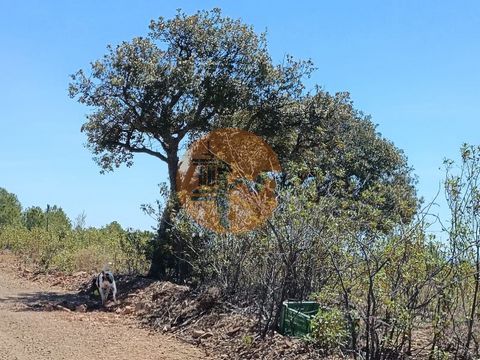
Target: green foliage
x=347, y=227
x=34, y=217
x=14, y=238
x=462, y=188
x=194, y=73
x=147, y=94
x=247, y=340
x=57, y=221
x=45, y=239
x=80, y=250
x=329, y=328
x=326, y=140
x=10, y=209
x=190, y=74
x=136, y=249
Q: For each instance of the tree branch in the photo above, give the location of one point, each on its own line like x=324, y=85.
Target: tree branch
x=141, y=149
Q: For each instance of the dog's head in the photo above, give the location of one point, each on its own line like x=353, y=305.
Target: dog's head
x=107, y=276
x=105, y=280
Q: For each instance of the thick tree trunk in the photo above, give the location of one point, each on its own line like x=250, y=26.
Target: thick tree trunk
x=167, y=263
x=162, y=254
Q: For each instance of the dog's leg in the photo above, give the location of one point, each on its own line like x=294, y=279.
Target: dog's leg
x=107, y=292
x=114, y=293
x=102, y=295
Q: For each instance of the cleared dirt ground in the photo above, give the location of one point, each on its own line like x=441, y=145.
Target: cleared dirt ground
x=30, y=334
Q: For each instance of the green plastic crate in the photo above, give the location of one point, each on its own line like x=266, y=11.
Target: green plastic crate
x=296, y=316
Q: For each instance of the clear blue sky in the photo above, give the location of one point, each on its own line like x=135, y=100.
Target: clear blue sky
x=412, y=65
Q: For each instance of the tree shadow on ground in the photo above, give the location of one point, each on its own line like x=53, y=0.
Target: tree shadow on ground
x=52, y=301
x=86, y=299
x=126, y=285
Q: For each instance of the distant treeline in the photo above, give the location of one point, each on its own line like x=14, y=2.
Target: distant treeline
x=46, y=238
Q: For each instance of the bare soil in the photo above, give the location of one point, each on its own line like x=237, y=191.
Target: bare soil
x=30, y=330
x=152, y=320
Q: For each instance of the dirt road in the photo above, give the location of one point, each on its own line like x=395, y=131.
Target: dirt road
x=27, y=334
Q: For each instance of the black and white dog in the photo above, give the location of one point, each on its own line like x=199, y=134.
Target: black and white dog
x=105, y=284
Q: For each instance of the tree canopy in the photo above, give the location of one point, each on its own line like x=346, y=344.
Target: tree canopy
x=323, y=138
x=34, y=217
x=195, y=73
x=149, y=93
x=10, y=208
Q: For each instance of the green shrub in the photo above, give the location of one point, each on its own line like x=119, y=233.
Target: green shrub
x=329, y=328
x=61, y=248
x=135, y=251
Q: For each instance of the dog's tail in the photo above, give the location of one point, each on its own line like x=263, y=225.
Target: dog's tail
x=106, y=267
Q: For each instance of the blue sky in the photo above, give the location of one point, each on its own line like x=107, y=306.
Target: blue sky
x=412, y=65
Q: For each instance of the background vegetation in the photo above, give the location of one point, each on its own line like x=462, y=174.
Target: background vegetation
x=349, y=230
x=48, y=240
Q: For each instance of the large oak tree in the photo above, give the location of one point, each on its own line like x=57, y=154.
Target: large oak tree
x=188, y=74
